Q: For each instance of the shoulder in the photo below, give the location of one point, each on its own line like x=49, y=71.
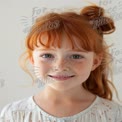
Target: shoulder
x=110, y=103
x=20, y=105
x=110, y=107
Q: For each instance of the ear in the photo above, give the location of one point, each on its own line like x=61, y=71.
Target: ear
x=97, y=61
x=31, y=60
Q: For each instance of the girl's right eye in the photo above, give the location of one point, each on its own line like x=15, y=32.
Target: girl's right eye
x=47, y=55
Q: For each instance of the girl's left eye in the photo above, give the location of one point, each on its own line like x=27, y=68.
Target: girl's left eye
x=77, y=56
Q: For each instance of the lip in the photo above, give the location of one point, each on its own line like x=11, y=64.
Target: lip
x=61, y=77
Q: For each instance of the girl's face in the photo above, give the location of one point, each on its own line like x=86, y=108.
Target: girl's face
x=63, y=68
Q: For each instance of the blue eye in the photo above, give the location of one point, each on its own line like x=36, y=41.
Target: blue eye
x=76, y=56
x=47, y=56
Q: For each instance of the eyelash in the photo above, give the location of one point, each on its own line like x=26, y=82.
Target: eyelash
x=79, y=56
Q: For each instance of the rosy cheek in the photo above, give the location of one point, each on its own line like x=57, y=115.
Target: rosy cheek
x=44, y=68
x=81, y=68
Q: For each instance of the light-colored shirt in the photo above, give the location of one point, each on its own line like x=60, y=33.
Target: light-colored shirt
x=26, y=110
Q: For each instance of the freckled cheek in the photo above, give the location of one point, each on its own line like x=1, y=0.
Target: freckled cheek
x=82, y=68
x=44, y=67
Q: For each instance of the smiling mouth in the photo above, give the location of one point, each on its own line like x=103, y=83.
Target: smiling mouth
x=61, y=77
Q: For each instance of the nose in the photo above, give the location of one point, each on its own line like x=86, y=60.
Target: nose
x=61, y=65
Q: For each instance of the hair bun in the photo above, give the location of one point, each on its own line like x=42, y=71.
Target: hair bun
x=92, y=12
x=95, y=15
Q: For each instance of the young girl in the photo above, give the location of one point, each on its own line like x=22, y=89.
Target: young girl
x=71, y=58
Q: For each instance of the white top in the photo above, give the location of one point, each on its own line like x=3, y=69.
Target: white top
x=26, y=110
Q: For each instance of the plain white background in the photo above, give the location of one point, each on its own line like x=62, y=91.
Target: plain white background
x=16, y=17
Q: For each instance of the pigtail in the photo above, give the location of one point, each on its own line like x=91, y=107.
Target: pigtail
x=98, y=82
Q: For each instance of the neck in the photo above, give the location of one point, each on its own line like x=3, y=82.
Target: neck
x=68, y=96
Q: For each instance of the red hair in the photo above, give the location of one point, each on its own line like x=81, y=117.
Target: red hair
x=88, y=28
